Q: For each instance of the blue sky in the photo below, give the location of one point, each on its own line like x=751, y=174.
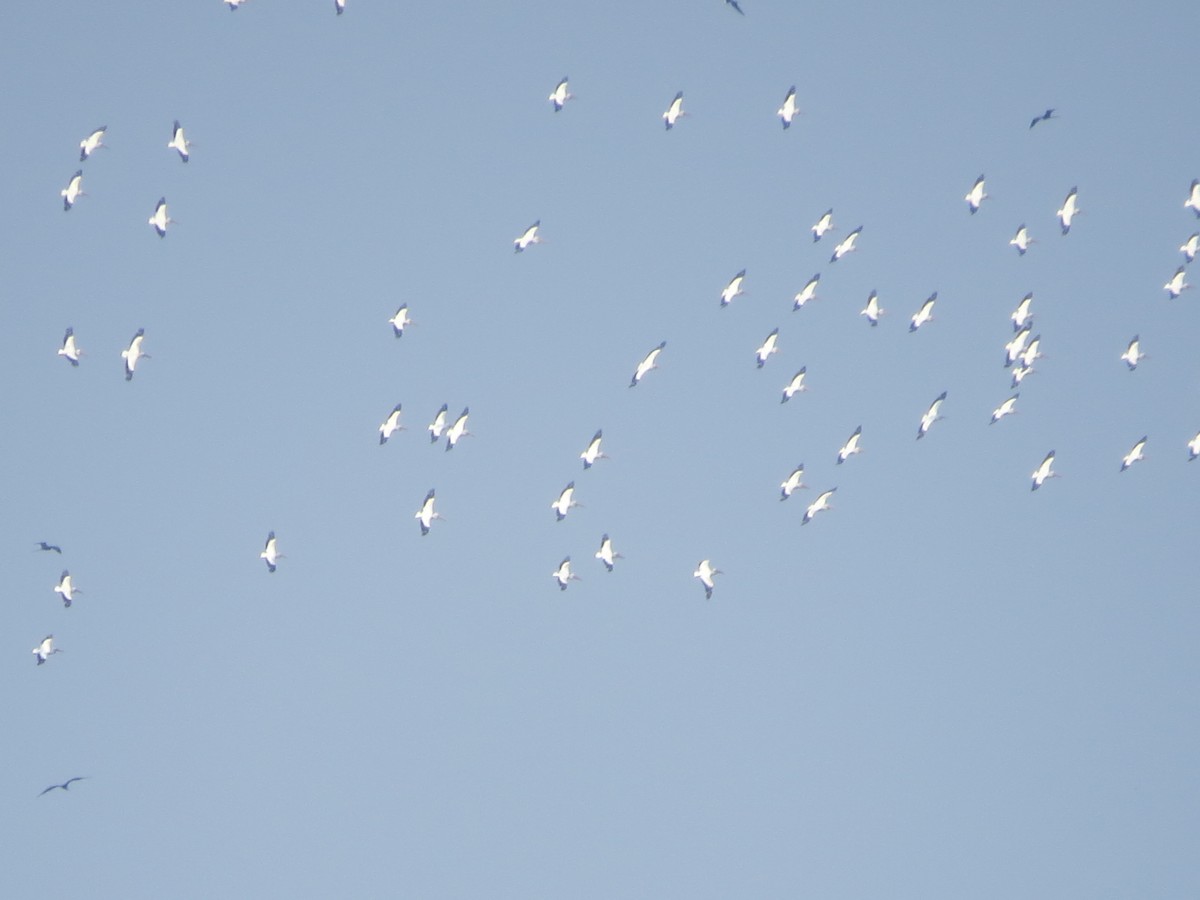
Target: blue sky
x=945, y=686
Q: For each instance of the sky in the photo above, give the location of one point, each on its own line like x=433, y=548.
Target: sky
x=947, y=685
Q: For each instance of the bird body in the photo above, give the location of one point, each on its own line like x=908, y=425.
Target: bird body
x=390, y=425
x=66, y=785
x=1177, y=285
x=706, y=573
x=438, y=425
x=1007, y=408
x=768, y=347
x=1191, y=247
x=458, y=430
x=69, y=349
x=808, y=292
x=73, y=191
x=528, y=237
x=1044, y=471
x=92, y=143
x=872, y=310
x=133, y=353
x=1021, y=240
x=1069, y=210
x=650, y=361
x=794, y=386
x=563, y=574
x=160, y=220
x=824, y=224
x=1032, y=352
x=1014, y=349
x=792, y=483
x=400, y=320
x=1194, y=447
x=1019, y=373
x=1022, y=315
x=426, y=513
x=44, y=650
x=1044, y=117
x=1193, y=200
x=1135, y=454
x=1133, y=353
x=924, y=314
x=560, y=95
x=66, y=588
x=851, y=447
x=339, y=6
x=848, y=245
x=42, y=545
x=606, y=554
x=592, y=452
x=821, y=504
x=674, y=112
x=976, y=195
x=564, y=503
x=931, y=415
x=788, y=111
x=270, y=552
x=179, y=142
x=733, y=289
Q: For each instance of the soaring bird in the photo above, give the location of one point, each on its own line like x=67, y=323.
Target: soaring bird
x=426, y=513
x=160, y=220
x=1044, y=471
x=564, y=503
x=768, y=346
x=339, y=6
x=528, y=237
x=808, y=292
x=792, y=483
x=1021, y=240
x=1191, y=247
x=592, y=452
x=819, y=505
x=69, y=348
x=438, y=425
x=179, y=142
x=872, y=310
x=1133, y=353
x=560, y=95
x=66, y=588
x=1014, y=349
x=390, y=425
x=1134, y=455
x=733, y=289
x=1032, y=352
x=73, y=191
x=563, y=574
x=706, y=572
x=931, y=415
x=1044, y=117
x=851, y=447
x=1176, y=285
x=824, y=224
x=976, y=195
x=734, y=4
x=606, y=554
x=788, y=111
x=92, y=143
x=1193, y=200
x=45, y=649
x=847, y=245
x=42, y=545
x=1194, y=447
x=133, y=353
x=233, y=4
x=66, y=785
x=1007, y=408
x=1069, y=210
x=650, y=361
x=794, y=386
x=400, y=320
x=270, y=553
x=458, y=430
x=1021, y=315
x=675, y=111
x=924, y=314
x=1018, y=375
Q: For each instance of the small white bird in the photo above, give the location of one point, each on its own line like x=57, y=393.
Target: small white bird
x=1135, y=454
x=1018, y=375
x=851, y=447
x=924, y=314
x=1176, y=285
x=390, y=425
x=1194, y=447
x=92, y=143
x=563, y=574
x=1021, y=240
x=1015, y=348
x=1133, y=353
x=528, y=237
x=560, y=95
x=458, y=430
x=1032, y=352
x=564, y=503
x=133, y=353
x=808, y=292
x=649, y=362
x=1069, y=210
x=438, y=425
x=788, y=111
x=339, y=6
x=66, y=588
x=233, y=4
x=847, y=245
x=792, y=483
x=674, y=112
x=931, y=415
x=160, y=220
x=1191, y=247
x=769, y=346
x=1022, y=315
x=872, y=310
x=69, y=348
x=976, y=195
x=733, y=289
x=819, y=505
x=426, y=513
x=400, y=321
x=270, y=552
x=1044, y=471
x=592, y=452
x=1193, y=200
x=794, y=386
x=45, y=649
x=705, y=572
x=1007, y=408
x=73, y=191
x=606, y=554
x=824, y=224
x=179, y=142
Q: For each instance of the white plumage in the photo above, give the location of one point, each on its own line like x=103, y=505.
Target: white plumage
x=931, y=415
x=1193, y=200
x=852, y=446
x=733, y=289
x=438, y=425
x=674, y=112
x=270, y=552
x=560, y=95
x=924, y=314
x=1191, y=247
x=66, y=588
x=794, y=386
x=425, y=514
x=1022, y=315
x=133, y=353
x=606, y=554
x=768, y=347
x=824, y=224
x=1133, y=353
x=528, y=237
x=45, y=649
x=1068, y=211
x=706, y=572
x=70, y=349
x=1021, y=240
x=1044, y=471
x=1194, y=447
x=808, y=292
x=73, y=191
x=1016, y=345
x=565, y=502
x=160, y=220
x=390, y=425
x=1135, y=454
x=792, y=483
x=1007, y=408
x=400, y=320
x=458, y=430
x=92, y=143
x=976, y=195
x=592, y=452
x=649, y=362
x=821, y=504
x=1177, y=285
x=849, y=244
x=179, y=142
x=563, y=574
x=872, y=310
x=788, y=111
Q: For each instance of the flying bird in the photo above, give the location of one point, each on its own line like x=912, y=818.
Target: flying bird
x=976, y=195
x=824, y=224
x=1194, y=447
x=69, y=348
x=400, y=320
x=1021, y=315
x=233, y=4
x=339, y=6
x=73, y=191
x=179, y=142
x=528, y=237
x=847, y=245
x=1069, y=211
x=1133, y=353
x=390, y=425
x=133, y=353
x=931, y=415
x=564, y=503
x=1044, y=471
x=1031, y=353
x=733, y=289
x=769, y=346
x=792, y=483
x=458, y=430
x=1007, y=408
x=1044, y=117
x=1021, y=240
x=924, y=314
x=872, y=310
x=606, y=554
x=560, y=95
x=1018, y=375
x=66, y=588
x=66, y=785
x=45, y=649
x=1191, y=247
x=649, y=362
x=160, y=220
x=1014, y=349
x=563, y=574
x=42, y=545
x=788, y=111
x=808, y=292
x=734, y=4
x=851, y=447
x=1176, y=285
x=1193, y=200
x=92, y=143
x=675, y=111
x=705, y=571
x=270, y=553
x=438, y=425
x=794, y=386
x=592, y=452
x=819, y=505
x=426, y=514
x=1134, y=455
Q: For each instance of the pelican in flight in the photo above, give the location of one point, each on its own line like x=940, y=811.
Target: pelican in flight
x=528, y=237
x=1176, y=285
x=44, y=650
x=1019, y=373
x=795, y=386
x=788, y=111
x=426, y=514
x=160, y=220
x=1193, y=200
x=674, y=112
x=339, y=6
x=566, y=500
x=400, y=320
x=1134, y=455
x=179, y=142
x=1015, y=348
x=706, y=572
x=872, y=310
x=73, y=191
x=1044, y=471
x=1133, y=353
x=133, y=353
x=606, y=554
x=438, y=425
x=270, y=553
x=92, y=143
x=560, y=95
x=649, y=362
x=821, y=504
x=733, y=289
x=1031, y=354
x=458, y=430
x=851, y=447
x=792, y=483
x=66, y=785
x=66, y=588
x=1191, y=247
x=1044, y=117
x=1069, y=210
x=847, y=245
x=1021, y=315
x=736, y=7
x=42, y=545
x=1007, y=408
x=390, y=425
x=1021, y=240
x=69, y=348
x=924, y=314
x=563, y=574
x=976, y=195
x=808, y=292
x=592, y=452
x=1194, y=447
x=824, y=224
x=769, y=346
x=931, y=415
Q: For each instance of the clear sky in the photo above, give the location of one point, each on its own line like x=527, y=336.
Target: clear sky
x=946, y=686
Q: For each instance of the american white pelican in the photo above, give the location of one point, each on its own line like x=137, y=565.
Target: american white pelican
x=808, y=292
x=1022, y=315
x=179, y=142
x=390, y=425
x=734, y=4
x=1134, y=455
x=438, y=425
x=43, y=545
x=649, y=362
x=674, y=112
x=872, y=310
x=400, y=320
x=924, y=314
x=1193, y=200
x=769, y=346
x=706, y=572
x=66, y=588
x=1044, y=117
x=851, y=447
x=733, y=289
x=1176, y=285
x=792, y=483
x=44, y=650
x=606, y=554
x=976, y=195
x=66, y=785
x=1133, y=353
x=820, y=504
x=1007, y=408
x=931, y=415
x=528, y=237
x=1194, y=447
x=592, y=451
x=847, y=245
x=73, y=191
x=339, y=6
x=160, y=220
x=1044, y=471
x=824, y=224
x=1069, y=210
x=564, y=503
x=794, y=386
x=270, y=553
x=92, y=143
x=1021, y=240
x=1032, y=352
x=561, y=94
x=563, y=574
x=458, y=430
x=1191, y=247
x=1016, y=347
x=426, y=513
x=788, y=111
x=69, y=348
x=1019, y=373
x=133, y=353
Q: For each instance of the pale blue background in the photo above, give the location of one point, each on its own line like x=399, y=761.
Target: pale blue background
x=945, y=687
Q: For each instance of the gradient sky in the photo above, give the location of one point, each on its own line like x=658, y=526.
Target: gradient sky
x=947, y=686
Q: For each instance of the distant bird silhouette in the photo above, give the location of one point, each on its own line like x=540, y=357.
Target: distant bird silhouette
x=734, y=4
x=1044, y=117
x=42, y=545
x=66, y=785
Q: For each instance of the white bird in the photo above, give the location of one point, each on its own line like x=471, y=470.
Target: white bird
x=794, y=386
x=1016, y=347
x=1134, y=455
x=792, y=483
x=564, y=503
x=606, y=554
x=1133, y=353
x=1069, y=210
x=706, y=572
x=73, y=191
x=1007, y=408
x=788, y=111
x=270, y=552
x=1019, y=373
x=1022, y=315
x=649, y=362
x=92, y=143
x=390, y=425
x=674, y=112
x=69, y=348
x=824, y=224
x=1191, y=247
x=769, y=346
x=400, y=320
x=872, y=310
x=1193, y=200
x=819, y=505
x=808, y=292
x=1176, y=285
x=733, y=289
x=528, y=237
x=931, y=415
x=560, y=95
x=233, y=4
x=160, y=220
x=426, y=513
x=1194, y=447
x=339, y=6
x=66, y=588
x=179, y=142
x=563, y=574
x=1044, y=471
x=1032, y=353
x=924, y=314
x=847, y=245
x=45, y=649
x=976, y=195
x=458, y=430
x=133, y=353
x=1021, y=240
x=851, y=447
x=592, y=451
x=438, y=425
